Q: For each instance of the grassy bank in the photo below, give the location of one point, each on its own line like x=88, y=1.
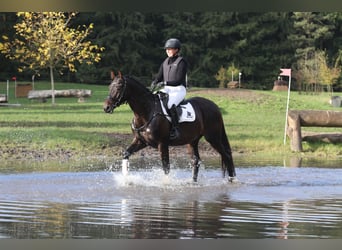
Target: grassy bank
x=254, y=122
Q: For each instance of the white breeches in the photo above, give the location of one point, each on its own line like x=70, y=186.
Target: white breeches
x=176, y=94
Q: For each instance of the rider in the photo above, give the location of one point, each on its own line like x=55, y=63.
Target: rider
x=172, y=78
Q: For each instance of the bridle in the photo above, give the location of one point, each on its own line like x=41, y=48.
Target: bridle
x=119, y=101
x=141, y=128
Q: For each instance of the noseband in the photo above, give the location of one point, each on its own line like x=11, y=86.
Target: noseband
x=119, y=100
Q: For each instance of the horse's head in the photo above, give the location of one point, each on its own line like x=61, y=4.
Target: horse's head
x=116, y=93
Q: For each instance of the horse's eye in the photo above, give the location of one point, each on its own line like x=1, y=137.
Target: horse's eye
x=119, y=85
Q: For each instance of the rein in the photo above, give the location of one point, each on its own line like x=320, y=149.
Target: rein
x=139, y=129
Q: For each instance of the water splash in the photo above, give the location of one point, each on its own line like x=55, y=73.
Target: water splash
x=177, y=179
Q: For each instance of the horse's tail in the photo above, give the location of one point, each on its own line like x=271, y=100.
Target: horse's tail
x=224, y=140
x=227, y=162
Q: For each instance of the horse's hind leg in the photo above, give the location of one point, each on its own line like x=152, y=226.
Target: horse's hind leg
x=193, y=150
x=223, y=148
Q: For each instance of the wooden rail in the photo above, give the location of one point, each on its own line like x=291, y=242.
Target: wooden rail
x=43, y=94
x=311, y=118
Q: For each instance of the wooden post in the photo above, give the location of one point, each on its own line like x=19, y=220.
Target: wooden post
x=288, y=100
x=7, y=91
x=15, y=88
x=310, y=118
x=295, y=131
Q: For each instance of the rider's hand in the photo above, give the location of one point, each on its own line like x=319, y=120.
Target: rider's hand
x=161, y=84
x=153, y=84
x=157, y=85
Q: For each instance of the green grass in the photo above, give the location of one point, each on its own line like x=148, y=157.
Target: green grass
x=254, y=123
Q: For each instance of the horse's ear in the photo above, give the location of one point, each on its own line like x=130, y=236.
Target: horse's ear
x=120, y=75
x=112, y=75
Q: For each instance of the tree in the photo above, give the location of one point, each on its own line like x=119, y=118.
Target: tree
x=127, y=38
x=261, y=46
x=316, y=71
x=221, y=76
x=44, y=40
x=327, y=75
x=310, y=31
x=7, y=20
x=225, y=75
x=258, y=43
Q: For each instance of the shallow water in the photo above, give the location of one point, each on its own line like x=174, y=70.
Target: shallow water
x=268, y=201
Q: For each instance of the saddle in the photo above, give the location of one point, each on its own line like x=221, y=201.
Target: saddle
x=185, y=111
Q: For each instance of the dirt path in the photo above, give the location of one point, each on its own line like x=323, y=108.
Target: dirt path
x=22, y=153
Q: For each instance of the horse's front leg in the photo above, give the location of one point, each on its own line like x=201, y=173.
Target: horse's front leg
x=135, y=146
x=164, y=153
x=196, y=161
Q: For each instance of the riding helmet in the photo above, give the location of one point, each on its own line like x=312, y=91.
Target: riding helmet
x=173, y=43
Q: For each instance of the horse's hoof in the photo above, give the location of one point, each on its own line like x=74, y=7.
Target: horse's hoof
x=233, y=179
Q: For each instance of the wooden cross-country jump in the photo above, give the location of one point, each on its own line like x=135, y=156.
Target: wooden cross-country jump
x=310, y=118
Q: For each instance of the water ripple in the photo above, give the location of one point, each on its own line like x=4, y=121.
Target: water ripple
x=267, y=202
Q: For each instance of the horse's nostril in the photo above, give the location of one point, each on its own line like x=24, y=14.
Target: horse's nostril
x=107, y=109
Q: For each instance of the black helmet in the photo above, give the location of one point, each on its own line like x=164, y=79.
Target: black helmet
x=173, y=43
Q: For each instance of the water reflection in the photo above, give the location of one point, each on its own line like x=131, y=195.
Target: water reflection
x=291, y=219
x=268, y=202
x=193, y=219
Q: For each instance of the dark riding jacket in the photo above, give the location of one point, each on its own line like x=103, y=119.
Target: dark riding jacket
x=172, y=71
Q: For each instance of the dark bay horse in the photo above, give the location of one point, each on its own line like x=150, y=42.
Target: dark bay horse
x=151, y=127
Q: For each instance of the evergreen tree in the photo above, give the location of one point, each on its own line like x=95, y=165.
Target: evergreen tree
x=126, y=39
x=310, y=30
x=7, y=20
x=259, y=44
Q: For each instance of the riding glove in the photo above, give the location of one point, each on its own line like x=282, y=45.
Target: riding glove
x=161, y=84
x=157, y=84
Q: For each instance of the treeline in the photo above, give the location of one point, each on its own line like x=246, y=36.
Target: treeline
x=256, y=44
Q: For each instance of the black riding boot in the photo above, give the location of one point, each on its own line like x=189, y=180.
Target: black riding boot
x=174, y=133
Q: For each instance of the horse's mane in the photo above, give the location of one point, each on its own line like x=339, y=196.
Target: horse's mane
x=139, y=84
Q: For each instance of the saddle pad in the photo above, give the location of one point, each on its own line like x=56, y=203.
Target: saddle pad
x=187, y=115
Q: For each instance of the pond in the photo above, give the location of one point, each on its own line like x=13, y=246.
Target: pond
x=270, y=200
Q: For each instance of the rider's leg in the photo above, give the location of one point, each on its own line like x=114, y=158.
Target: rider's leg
x=176, y=95
x=174, y=133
